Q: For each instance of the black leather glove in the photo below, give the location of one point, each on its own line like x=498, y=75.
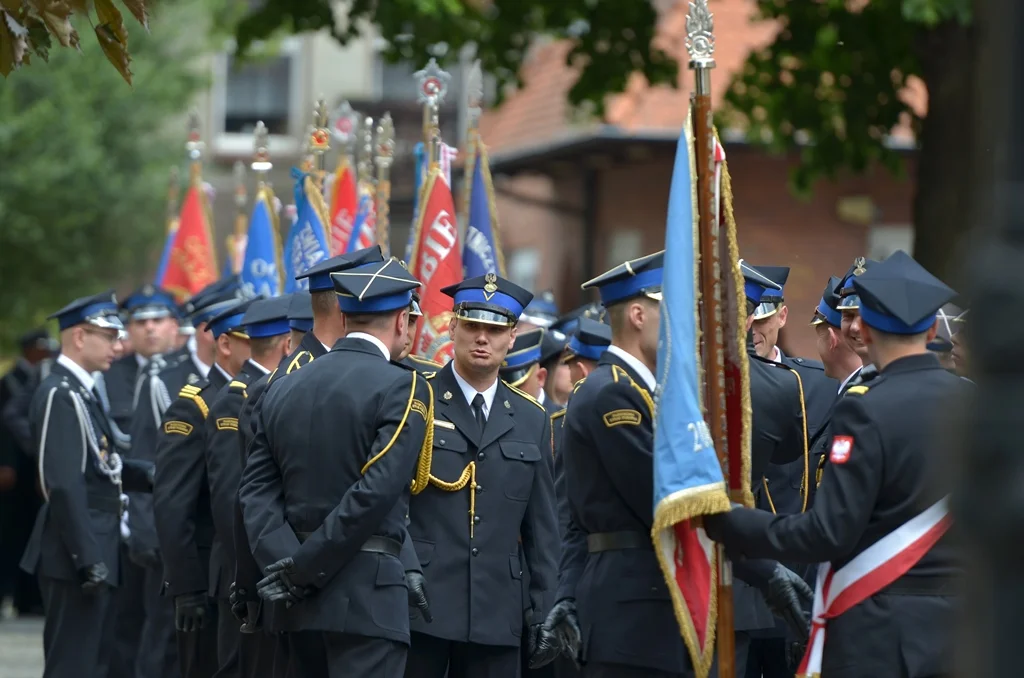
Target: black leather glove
x=144, y=557
x=191, y=611
x=794, y=654
x=277, y=586
x=93, y=577
x=563, y=623
x=542, y=646
x=237, y=600
x=789, y=597
x=418, y=594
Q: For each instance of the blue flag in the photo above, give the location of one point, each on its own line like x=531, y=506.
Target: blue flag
x=229, y=269
x=358, y=239
x=260, y=274
x=421, y=167
x=306, y=244
x=481, y=253
x=165, y=256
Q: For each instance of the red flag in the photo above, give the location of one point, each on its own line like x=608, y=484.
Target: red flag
x=192, y=265
x=437, y=263
x=344, y=203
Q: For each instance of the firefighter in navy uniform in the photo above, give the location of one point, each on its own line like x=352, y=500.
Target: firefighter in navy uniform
x=490, y=488
x=75, y=544
x=181, y=496
x=422, y=365
x=521, y=367
x=881, y=488
x=325, y=498
x=266, y=324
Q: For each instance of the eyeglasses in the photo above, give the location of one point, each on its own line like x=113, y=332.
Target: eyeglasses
x=111, y=338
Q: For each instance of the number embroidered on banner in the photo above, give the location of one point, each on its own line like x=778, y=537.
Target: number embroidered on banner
x=701, y=435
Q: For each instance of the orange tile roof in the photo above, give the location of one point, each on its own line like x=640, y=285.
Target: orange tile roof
x=538, y=113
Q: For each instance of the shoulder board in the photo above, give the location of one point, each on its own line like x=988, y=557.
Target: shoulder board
x=429, y=375
x=578, y=384
x=237, y=384
x=558, y=415
x=857, y=390
x=189, y=390
x=424, y=361
x=301, y=360
x=525, y=395
x=192, y=393
x=811, y=364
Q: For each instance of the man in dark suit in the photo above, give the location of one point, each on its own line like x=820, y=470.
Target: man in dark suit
x=490, y=491
x=879, y=520
x=422, y=365
x=266, y=324
x=181, y=497
x=325, y=498
x=522, y=367
x=74, y=549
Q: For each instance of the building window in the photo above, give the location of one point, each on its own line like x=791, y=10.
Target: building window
x=258, y=90
x=522, y=266
x=884, y=240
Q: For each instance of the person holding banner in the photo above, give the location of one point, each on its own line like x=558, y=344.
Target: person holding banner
x=878, y=526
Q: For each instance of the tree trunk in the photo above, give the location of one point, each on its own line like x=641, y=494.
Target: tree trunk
x=942, y=202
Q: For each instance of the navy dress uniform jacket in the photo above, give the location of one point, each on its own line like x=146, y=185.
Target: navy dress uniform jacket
x=181, y=494
x=319, y=484
x=466, y=539
x=884, y=478
x=120, y=382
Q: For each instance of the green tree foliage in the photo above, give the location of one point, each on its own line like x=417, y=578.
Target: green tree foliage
x=85, y=166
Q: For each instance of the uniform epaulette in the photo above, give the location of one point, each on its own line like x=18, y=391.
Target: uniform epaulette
x=525, y=395
x=560, y=413
x=642, y=390
x=192, y=393
x=578, y=384
x=238, y=386
x=429, y=375
x=857, y=390
x=300, y=360
x=813, y=364
x=424, y=361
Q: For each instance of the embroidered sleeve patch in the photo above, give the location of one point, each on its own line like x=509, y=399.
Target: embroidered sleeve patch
x=419, y=408
x=180, y=427
x=841, y=448
x=622, y=417
x=227, y=424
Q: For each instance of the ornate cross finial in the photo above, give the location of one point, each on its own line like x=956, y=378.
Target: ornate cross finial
x=364, y=164
x=700, y=35
x=385, y=142
x=261, y=149
x=195, y=145
x=240, y=193
x=319, y=141
x=346, y=122
x=433, y=84
x=475, y=94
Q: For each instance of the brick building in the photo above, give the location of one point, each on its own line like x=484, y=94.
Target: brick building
x=576, y=198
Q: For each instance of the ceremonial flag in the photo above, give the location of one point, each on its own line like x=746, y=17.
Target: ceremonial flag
x=481, y=252
x=436, y=263
x=165, y=255
x=229, y=258
x=261, y=269
x=688, y=478
x=306, y=244
x=344, y=204
x=447, y=155
x=364, y=227
x=192, y=263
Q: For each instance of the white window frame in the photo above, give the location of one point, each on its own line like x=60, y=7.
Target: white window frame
x=232, y=144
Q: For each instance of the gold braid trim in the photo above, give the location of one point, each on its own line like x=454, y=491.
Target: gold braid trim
x=525, y=395
x=398, y=430
x=648, y=400
x=468, y=477
x=200, y=403
x=297, y=363
x=422, y=479
x=771, y=502
x=804, y=486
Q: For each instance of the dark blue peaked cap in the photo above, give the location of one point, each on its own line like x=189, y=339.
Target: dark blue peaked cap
x=771, y=299
x=99, y=310
x=899, y=296
x=230, y=319
x=849, y=300
x=267, y=317
x=379, y=287
x=827, y=310
x=320, y=275
x=590, y=340
x=636, y=278
x=542, y=310
x=300, y=311
x=566, y=325
x=525, y=353
x=148, y=302
x=489, y=299
x=755, y=283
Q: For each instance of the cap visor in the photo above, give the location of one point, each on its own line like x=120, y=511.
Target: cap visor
x=485, y=317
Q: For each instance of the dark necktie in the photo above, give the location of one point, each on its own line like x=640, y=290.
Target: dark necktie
x=478, y=411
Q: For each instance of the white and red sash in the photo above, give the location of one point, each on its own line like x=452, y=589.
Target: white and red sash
x=879, y=565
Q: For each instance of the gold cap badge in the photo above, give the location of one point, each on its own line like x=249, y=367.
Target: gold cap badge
x=490, y=285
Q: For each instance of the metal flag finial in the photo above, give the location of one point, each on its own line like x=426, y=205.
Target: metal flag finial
x=474, y=94
x=261, y=150
x=345, y=125
x=364, y=165
x=240, y=192
x=319, y=140
x=700, y=35
x=433, y=84
x=195, y=145
x=385, y=152
x=385, y=142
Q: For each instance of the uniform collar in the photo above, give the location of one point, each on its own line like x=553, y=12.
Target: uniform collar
x=223, y=372
x=373, y=340
x=637, y=366
x=139, y=360
x=204, y=369
x=851, y=377
x=777, y=354
x=80, y=372
x=469, y=392
x=260, y=369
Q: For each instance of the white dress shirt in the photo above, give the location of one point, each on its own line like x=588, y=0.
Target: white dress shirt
x=261, y=368
x=849, y=378
x=470, y=392
x=645, y=373
x=204, y=369
x=373, y=340
x=80, y=372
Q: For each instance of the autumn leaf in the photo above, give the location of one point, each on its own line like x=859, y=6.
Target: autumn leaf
x=56, y=16
x=7, y=49
x=109, y=15
x=115, y=50
x=138, y=10
x=39, y=38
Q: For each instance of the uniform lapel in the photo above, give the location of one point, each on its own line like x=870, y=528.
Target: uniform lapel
x=312, y=344
x=500, y=419
x=452, y=405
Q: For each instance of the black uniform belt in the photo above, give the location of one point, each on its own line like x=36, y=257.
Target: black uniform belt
x=374, y=544
x=103, y=502
x=618, y=541
x=922, y=586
